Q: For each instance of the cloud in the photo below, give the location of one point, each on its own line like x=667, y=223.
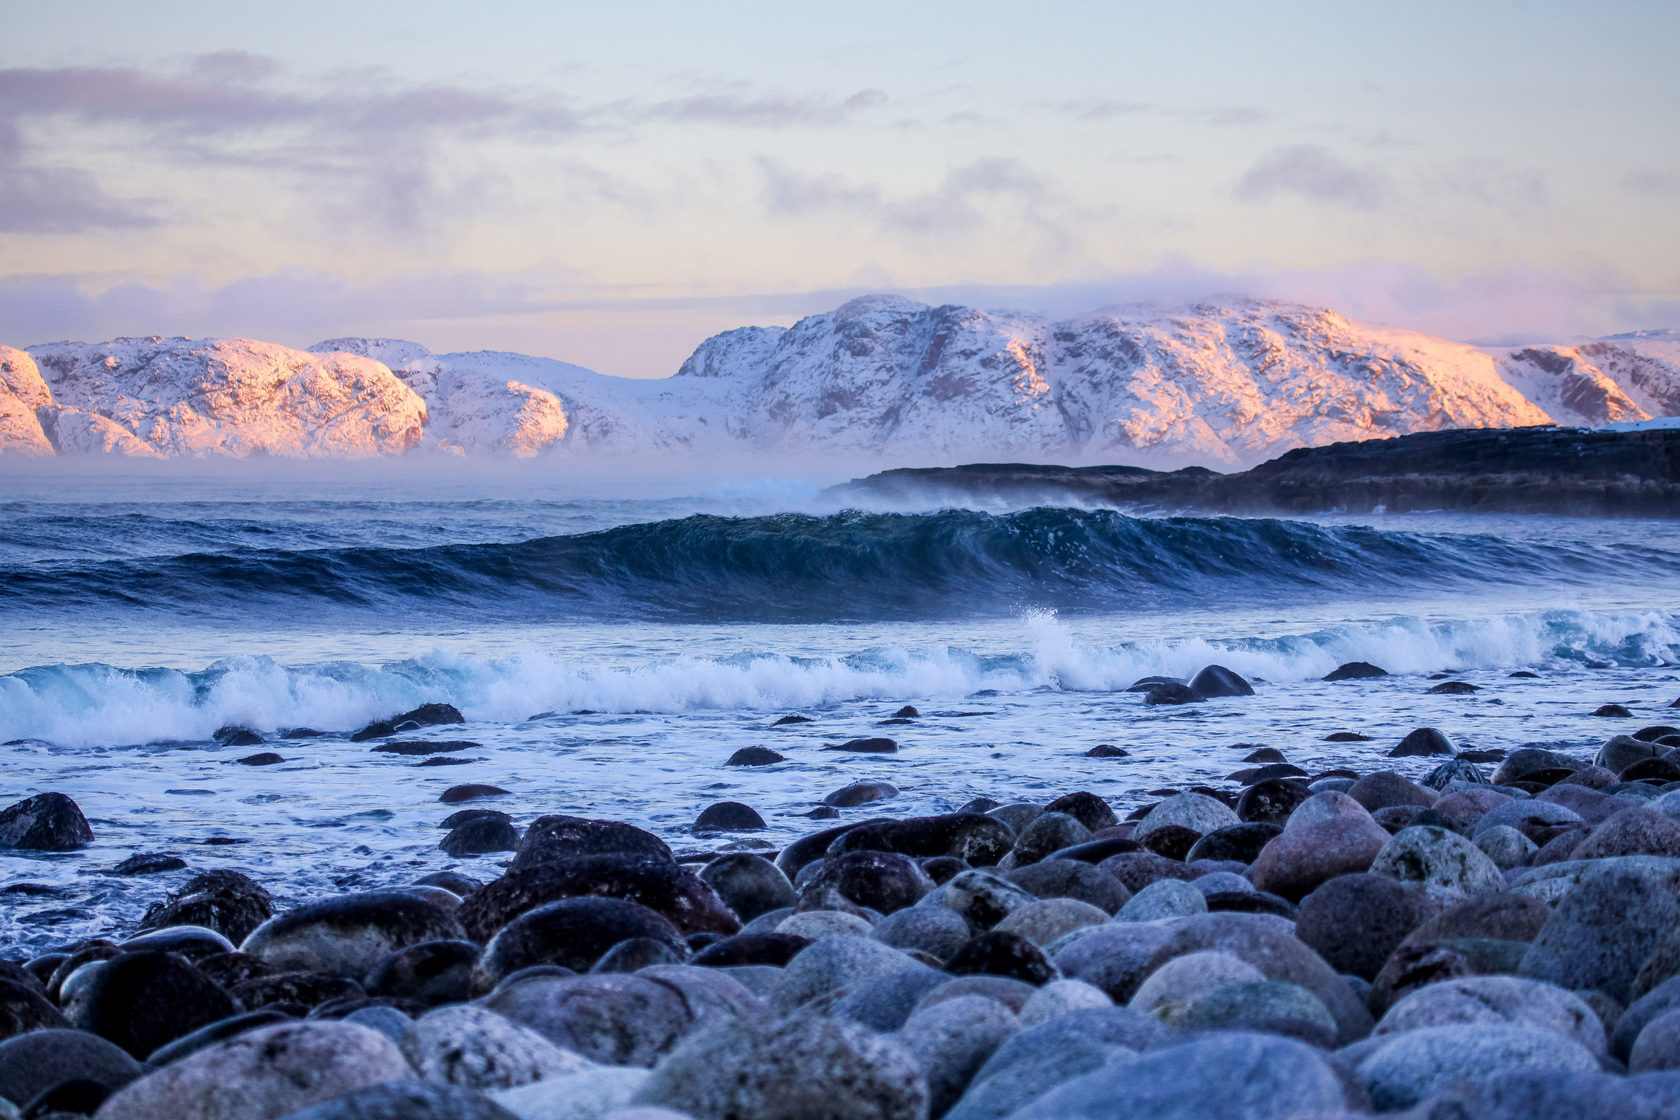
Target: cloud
x=1096, y=110
x=1653, y=182
x=50, y=200
x=1313, y=173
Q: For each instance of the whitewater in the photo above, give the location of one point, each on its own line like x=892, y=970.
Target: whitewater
x=610, y=653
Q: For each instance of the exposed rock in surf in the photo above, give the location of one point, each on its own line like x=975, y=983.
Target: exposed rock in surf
x=262, y=758
x=1086, y=808
x=447, y=760
x=150, y=864
x=1217, y=681
x=860, y=793
x=788, y=721
x=462, y=816
x=1147, y=684
x=757, y=756
x=1355, y=671
x=907, y=712
x=1455, y=688
x=1346, y=737
x=1263, y=755
x=480, y=836
x=873, y=745
x=426, y=746
x=47, y=822
x=1172, y=693
x=727, y=816
x=1613, y=711
x=1622, y=751
x=655, y=882
x=1653, y=733
x=1107, y=750
x=235, y=736
x=821, y=813
x=1423, y=741
x=1524, y=674
x=558, y=837
x=471, y=791
x=228, y=902
x=426, y=715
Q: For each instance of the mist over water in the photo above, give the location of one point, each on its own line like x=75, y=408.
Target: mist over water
x=609, y=652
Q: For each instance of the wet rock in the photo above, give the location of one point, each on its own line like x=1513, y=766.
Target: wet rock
x=1522, y=762
x=1017, y=815
x=1164, y=898
x=1453, y=770
x=1228, y=1075
x=657, y=883
x=979, y=839
x=47, y=822
x=614, y=1019
x=430, y=973
x=748, y=884
x=23, y=1009
x=1438, y=858
x=1196, y=812
x=807, y=1067
x=1423, y=741
x=1001, y=953
x=573, y=933
x=1355, y=921
x=774, y=949
x=1455, y=688
x=426, y=715
x=1386, y=789
x=143, y=1000
x=32, y=1063
x=728, y=816
x=295, y=989
x=265, y=1073
x=1071, y=879
x=1497, y=1000
x=759, y=756
x=1420, y=1063
x=1329, y=834
x=1605, y=928
x=1172, y=693
x=407, y=1100
x=195, y=943
x=475, y=1048
x=1107, y=750
x=1354, y=671
x=480, y=837
x=882, y=881
x=1613, y=711
x=350, y=934
x=860, y=793
x=1623, y=751
x=261, y=758
x=1085, y=807
x=1239, y=842
x=981, y=898
x=875, y=744
x=149, y=865
x=1050, y=832
x=951, y=1041
x=453, y=881
x=553, y=838
x=1096, y=851
x=1271, y=800
x=471, y=791
x=1346, y=737
x=413, y=748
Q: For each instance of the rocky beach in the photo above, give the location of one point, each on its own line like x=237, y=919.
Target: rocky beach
x=1482, y=934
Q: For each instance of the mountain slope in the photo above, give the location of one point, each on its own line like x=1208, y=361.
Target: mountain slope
x=1219, y=384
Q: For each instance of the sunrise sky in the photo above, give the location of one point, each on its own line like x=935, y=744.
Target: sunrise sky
x=608, y=184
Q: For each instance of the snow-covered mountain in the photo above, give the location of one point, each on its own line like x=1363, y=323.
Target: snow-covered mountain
x=1224, y=384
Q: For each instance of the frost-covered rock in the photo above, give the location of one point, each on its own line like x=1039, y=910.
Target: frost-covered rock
x=22, y=392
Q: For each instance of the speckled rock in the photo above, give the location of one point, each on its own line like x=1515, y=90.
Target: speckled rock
x=1506, y=847
x=476, y=1048
x=1419, y=1063
x=933, y=930
x=1329, y=834
x=980, y=897
x=1058, y=998
x=882, y=881
x=950, y=1041
x=1606, y=926
x=831, y=964
x=350, y=934
x=1181, y=979
x=1496, y=1000
x=1355, y=921
x=1271, y=1006
x=407, y=1100
x=1114, y=957
x=1044, y=921
x=1197, y=812
x=1166, y=898
x=1633, y=831
x=1386, y=790
x=590, y=1095
x=1071, y=878
x=267, y=1073
x=807, y=1067
x=1435, y=857
x=615, y=1019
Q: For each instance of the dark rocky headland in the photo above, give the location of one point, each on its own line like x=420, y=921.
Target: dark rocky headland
x=1568, y=471
x=1497, y=940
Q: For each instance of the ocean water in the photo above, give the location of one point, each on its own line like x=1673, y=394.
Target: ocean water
x=609, y=652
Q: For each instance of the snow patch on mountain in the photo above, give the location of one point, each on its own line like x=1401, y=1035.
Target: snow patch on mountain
x=22, y=393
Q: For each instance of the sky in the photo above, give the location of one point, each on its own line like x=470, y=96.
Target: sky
x=610, y=184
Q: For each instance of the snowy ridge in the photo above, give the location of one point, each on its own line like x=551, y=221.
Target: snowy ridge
x=1221, y=384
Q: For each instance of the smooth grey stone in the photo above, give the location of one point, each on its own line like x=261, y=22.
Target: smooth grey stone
x=1604, y=929
x=475, y=1048
x=34, y=1062
x=952, y=1040
x=616, y=1019
x=1164, y=898
x=933, y=930
x=832, y=964
x=1497, y=1000
x=1419, y=1063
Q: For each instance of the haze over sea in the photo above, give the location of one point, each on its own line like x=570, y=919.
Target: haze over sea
x=610, y=653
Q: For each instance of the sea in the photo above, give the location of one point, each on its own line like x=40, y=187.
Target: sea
x=611, y=646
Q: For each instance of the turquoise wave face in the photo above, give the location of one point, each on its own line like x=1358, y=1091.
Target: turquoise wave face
x=839, y=567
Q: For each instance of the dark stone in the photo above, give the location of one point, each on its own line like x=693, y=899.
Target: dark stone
x=1423, y=741
x=1050, y=832
x=1386, y=789
x=261, y=758
x=1106, y=750
x=1250, y=902
x=462, y=816
x=452, y=881
x=98, y=950
x=1270, y=770
x=228, y=969
x=942, y=869
x=637, y=953
x=150, y=864
x=907, y=712
x=142, y=1000
x=301, y=733
x=1455, y=688
x=1173, y=841
x=882, y=881
x=1355, y=671
x=1497, y=916
x=1136, y=870
x=447, y=760
x=728, y=816
x=762, y=756
x=1605, y=928
x=407, y=1100
x=1067, y=878
x=430, y=973
x=1356, y=921
x=788, y=720
x=1653, y=733
x=551, y=838
x=228, y=902
x=749, y=884
x=573, y=933
x=1532, y=760
x=295, y=989
x=1000, y=953
x=877, y=744
x=775, y=949
x=1239, y=842
x=822, y=813
x=1216, y=680
x=237, y=737
x=1271, y=801
x=24, y=1009
x=1524, y=674
x=471, y=791
x=47, y=822
x=1615, y=711
x=480, y=836
x=1262, y=754
x=1086, y=808
x=1172, y=693
x=195, y=943
x=1144, y=684
x=981, y=840
x=860, y=793
x=426, y=715
x=807, y=849
x=651, y=881
x=34, y=1063
x=415, y=747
